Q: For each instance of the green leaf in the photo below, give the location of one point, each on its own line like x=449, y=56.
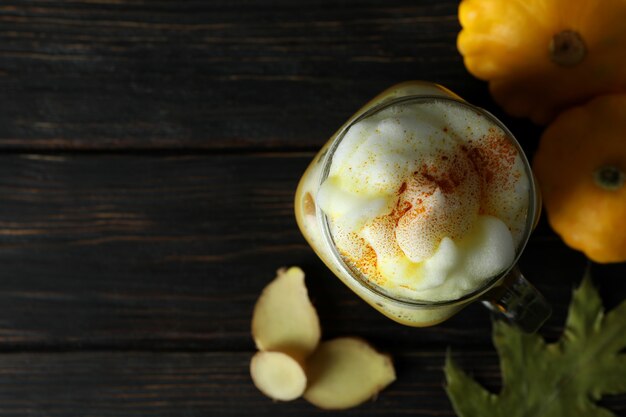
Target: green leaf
x=564, y=378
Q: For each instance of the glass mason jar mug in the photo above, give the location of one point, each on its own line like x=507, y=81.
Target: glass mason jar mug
x=421, y=204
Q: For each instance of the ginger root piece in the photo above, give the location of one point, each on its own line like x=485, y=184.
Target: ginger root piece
x=340, y=373
x=346, y=372
x=284, y=319
x=278, y=375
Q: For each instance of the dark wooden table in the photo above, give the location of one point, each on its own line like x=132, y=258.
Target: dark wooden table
x=150, y=150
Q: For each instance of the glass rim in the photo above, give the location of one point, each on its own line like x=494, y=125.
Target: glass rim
x=358, y=277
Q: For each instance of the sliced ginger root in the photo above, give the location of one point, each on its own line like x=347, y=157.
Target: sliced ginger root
x=284, y=320
x=278, y=375
x=340, y=373
x=346, y=372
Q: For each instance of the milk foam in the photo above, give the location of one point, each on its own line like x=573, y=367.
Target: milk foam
x=427, y=200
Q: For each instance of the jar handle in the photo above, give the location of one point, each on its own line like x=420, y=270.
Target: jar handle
x=517, y=301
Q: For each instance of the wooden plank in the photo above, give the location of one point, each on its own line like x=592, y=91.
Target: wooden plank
x=105, y=384
x=158, y=252
x=85, y=74
x=193, y=384
x=108, y=384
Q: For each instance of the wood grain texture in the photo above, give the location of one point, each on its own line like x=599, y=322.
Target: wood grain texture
x=104, y=384
x=193, y=384
x=213, y=74
x=149, y=151
x=160, y=252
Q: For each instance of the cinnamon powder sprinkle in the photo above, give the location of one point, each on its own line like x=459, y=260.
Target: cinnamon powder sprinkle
x=492, y=157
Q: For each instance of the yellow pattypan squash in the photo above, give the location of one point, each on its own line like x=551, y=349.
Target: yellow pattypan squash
x=542, y=56
x=581, y=169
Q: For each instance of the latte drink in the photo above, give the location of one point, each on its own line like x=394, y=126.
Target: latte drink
x=419, y=203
